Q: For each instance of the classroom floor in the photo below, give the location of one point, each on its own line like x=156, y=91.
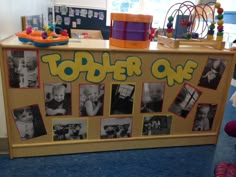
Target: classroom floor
x=191, y=161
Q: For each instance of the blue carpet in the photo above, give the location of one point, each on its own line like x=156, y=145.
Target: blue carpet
x=191, y=161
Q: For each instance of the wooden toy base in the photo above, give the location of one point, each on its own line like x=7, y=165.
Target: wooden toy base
x=175, y=43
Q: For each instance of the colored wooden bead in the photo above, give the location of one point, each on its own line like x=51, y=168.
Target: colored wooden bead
x=212, y=26
x=220, y=10
x=187, y=36
x=220, y=27
x=169, y=25
x=220, y=22
x=169, y=30
x=217, y=5
x=220, y=17
x=220, y=33
x=210, y=32
x=171, y=18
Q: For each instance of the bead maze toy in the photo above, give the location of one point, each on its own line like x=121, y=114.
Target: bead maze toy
x=43, y=38
x=199, y=29
x=130, y=30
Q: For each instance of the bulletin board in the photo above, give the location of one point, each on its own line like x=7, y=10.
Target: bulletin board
x=81, y=18
x=82, y=99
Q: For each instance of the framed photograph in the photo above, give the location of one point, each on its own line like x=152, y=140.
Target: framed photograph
x=29, y=122
x=34, y=21
x=204, y=117
x=116, y=128
x=212, y=73
x=91, y=99
x=69, y=129
x=122, y=98
x=23, y=68
x=185, y=100
x=156, y=125
x=57, y=99
x=152, y=97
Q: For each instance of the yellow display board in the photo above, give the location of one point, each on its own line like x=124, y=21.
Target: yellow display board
x=89, y=96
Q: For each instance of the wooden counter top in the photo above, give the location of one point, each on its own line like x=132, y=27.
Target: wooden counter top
x=103, y=45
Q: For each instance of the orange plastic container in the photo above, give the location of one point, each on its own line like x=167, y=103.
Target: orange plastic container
x=130, y=30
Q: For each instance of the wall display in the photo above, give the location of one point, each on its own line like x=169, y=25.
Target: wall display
x=81, y=18
x=67, y=99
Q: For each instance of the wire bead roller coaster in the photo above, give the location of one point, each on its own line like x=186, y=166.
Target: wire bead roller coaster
x=197, y=28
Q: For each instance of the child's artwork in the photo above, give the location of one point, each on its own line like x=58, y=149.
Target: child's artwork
x=116, y=128
x=152, y=97
x=57, y=99
x=185, y=100
x=204, y=117
x=212, y=73
x=157, y=125
x=122, y=98
x=23, y=68
x=69, y=129
x=29, y=122
x=91, y=99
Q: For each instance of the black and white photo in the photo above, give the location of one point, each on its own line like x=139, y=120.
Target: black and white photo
x=57, y=99
x=204, y=117
x=157, y=125
x=91, y=99
x=212, y=73
x=185, y=100
x=69, y=129
x=116, y=128
x=23, y=68
x=29, y=122
x=122, y=98
x=152, y=97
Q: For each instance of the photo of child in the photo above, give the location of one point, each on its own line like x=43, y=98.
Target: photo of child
x=29, y=122
x=185, y=100
x=157, y=125
x=23, y=69
x=204, y=117
x=152, y=97
x=70, y=129
x=212, y=73
x=116, y=128
x=91, y=99
x=122, y=98
x=57, y=99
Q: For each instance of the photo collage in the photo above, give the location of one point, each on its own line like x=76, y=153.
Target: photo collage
x=24, y=73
